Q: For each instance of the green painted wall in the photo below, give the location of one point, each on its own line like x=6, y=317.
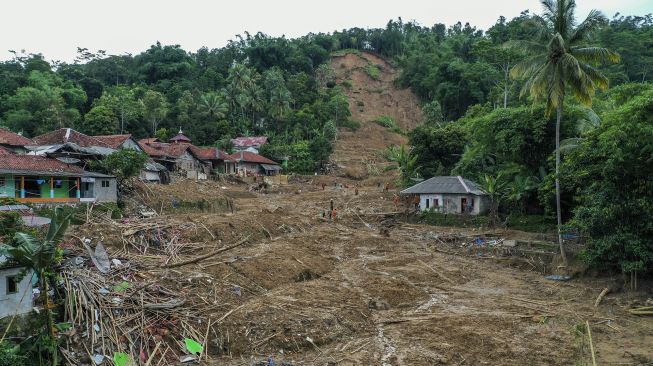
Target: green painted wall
x=8, y=189
x=61, y=192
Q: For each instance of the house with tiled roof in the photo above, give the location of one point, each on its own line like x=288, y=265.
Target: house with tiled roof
x=38, y=179
x=13, y=141
x=249, y=163
x=43, y=180
x=218, y=160
x=177, y=156
x=448, y=194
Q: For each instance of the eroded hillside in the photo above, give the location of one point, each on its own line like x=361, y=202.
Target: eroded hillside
x=368, y=81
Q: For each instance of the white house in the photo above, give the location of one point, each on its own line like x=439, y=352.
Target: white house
x=15, y=295
x=448, y=194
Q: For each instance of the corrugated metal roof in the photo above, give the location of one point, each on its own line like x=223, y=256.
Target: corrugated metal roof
x=445, y=184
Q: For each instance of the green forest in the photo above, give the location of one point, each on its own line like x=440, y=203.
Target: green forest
x=491, y=102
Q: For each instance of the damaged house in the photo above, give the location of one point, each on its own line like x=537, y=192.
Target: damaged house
x=248, y=163
x=177, y=156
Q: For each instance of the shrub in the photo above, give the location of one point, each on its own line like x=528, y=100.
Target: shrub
x=346, y=84
x=373, y=71
x=389, y=123
x=350, y=124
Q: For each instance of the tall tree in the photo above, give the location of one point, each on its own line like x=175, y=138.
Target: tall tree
x=155, y=108
x=561, y=60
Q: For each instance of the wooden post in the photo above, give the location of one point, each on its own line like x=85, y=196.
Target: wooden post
x=51, y=187
x=22, y=187
x=77, y=186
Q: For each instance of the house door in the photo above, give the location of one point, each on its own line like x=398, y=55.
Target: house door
x=463, y=204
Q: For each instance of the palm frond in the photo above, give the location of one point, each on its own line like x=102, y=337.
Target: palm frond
x=593, y=21
x=595, y=55
x=598, y=79
x=528, y=66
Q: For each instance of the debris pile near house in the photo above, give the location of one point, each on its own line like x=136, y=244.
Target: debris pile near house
x=135, y=303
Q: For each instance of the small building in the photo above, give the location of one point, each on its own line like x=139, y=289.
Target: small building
x=98, y=187
x=39, y=179
x=248, y=163
x=177, y=156
x=218, y=160
x=14, y=142
x=448, y=194
x=15, y=293
x=250, y=144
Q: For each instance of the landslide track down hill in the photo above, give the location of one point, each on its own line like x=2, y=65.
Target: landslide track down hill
x=371, y=94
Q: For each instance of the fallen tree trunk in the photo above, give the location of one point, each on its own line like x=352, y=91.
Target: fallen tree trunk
x=209, y=255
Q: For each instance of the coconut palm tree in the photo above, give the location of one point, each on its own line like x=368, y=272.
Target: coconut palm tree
x=561, y=62
x=213, y=105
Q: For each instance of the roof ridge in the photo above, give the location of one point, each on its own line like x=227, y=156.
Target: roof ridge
x=462, y=181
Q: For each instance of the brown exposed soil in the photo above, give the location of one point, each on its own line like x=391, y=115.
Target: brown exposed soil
x=357, y=152
x=306, y=290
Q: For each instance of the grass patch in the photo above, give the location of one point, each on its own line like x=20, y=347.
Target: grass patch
x=389, y=123
x=346, y=84
x=439, y=219
x=350, y=124
x=346, y=51
x=373, y=71
x=532, y=223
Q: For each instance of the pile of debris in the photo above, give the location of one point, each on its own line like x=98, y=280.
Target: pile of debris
x=132, y=303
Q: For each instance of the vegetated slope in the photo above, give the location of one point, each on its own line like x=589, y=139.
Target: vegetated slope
x=368, y=82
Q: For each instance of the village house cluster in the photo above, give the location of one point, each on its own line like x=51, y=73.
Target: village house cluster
x=53, y=168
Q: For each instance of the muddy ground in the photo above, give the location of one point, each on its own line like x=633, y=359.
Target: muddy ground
x=309, y=291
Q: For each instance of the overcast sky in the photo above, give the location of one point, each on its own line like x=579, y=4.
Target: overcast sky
x=57, y=28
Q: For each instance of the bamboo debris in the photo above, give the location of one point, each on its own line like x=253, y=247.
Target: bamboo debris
x=129, y=309
x=600, y=297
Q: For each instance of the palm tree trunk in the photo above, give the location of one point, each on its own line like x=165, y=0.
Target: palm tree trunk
x=558, y=208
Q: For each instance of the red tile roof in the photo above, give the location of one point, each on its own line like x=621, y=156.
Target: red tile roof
x=250, y=157
x=5, y=151
x=64, y=135
x=162, y=149
x=35, y=164
x=13, y=139
x=113, y=141
x=245, y=142
x=180, y=138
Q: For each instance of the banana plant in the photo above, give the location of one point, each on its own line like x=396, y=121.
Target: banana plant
x=40, y=257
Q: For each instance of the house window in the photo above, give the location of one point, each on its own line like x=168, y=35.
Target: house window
x=12, y=285
x=105, y=184
x=427, y=203
x=436, y=202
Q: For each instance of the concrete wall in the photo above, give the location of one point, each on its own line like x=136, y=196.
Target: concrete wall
x=105, y=194
x=150, y=176
x=19, y=302
x=451, y=203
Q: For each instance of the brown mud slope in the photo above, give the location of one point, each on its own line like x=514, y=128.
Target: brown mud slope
x=310, y=291
x=357, y=152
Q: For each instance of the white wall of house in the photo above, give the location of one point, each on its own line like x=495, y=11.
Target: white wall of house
x=18, y=302
x=452, y=203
